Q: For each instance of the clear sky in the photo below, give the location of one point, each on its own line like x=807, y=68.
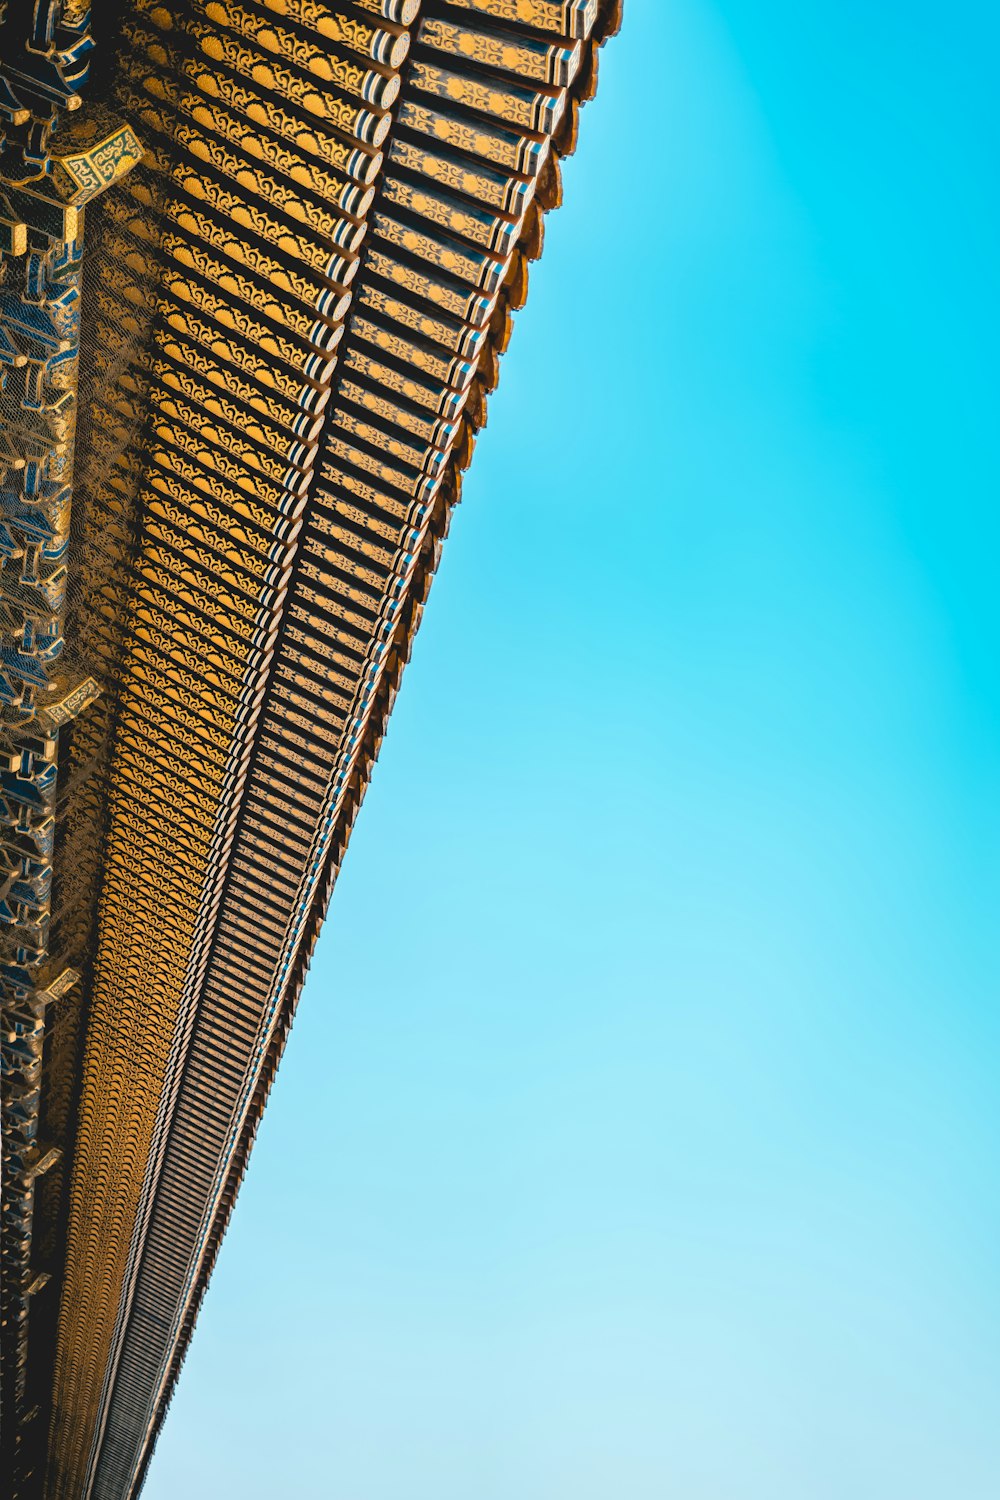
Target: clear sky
x=638, y=1137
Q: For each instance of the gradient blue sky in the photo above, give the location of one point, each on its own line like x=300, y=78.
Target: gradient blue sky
x=638, y=1137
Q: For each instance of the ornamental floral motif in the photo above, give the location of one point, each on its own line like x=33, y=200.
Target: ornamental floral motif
x=507, y=53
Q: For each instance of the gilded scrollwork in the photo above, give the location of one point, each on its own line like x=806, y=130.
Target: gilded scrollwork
x=507, y=52
x=50, y=167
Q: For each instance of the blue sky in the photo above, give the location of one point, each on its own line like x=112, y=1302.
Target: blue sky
x=638, y=1135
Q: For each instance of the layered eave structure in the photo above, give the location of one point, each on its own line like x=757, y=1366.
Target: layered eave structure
x=293, y=309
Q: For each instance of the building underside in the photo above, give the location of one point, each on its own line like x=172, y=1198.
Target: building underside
x=258, y=263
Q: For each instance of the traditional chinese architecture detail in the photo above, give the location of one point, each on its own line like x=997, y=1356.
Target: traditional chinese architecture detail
x=259, y=387
x=53, y=162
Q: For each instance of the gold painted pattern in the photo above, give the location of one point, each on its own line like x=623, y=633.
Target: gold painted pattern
x=573, y=18
x=384, y=44
x=534, y=109
x=504, y=51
